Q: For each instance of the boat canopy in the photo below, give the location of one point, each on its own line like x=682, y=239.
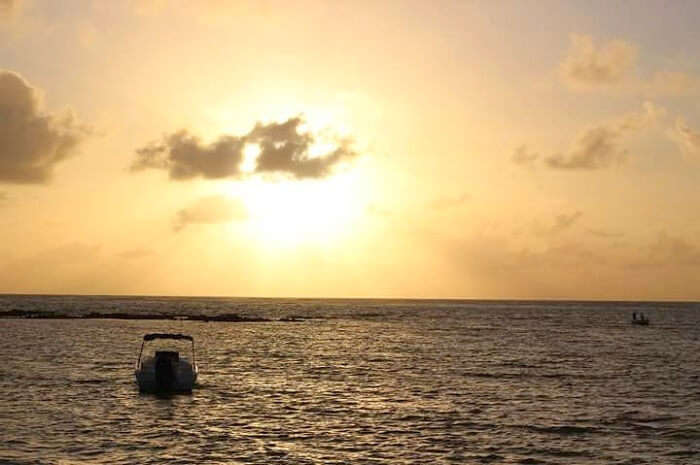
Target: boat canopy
x=152, y=336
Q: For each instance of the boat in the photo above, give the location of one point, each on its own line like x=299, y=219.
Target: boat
x=642, y=320
x=165, y=370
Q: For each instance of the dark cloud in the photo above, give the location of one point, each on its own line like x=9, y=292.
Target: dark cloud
x=589, y=65
x=522, y=156
x=186, y=157
x=32, y=142
x=596, y=148
x=210, y=210
x=283, y=150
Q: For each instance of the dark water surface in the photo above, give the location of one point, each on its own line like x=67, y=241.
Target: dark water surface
x=364, y=381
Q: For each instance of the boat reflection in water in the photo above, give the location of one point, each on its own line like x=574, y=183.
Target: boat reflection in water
x=164, y=371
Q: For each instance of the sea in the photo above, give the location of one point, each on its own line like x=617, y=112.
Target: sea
x=346, y=381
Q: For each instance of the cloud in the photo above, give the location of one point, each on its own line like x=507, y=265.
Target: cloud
x=687, y=139
x=596, y=148
x=210, y=210
x=32, y=142
x=599, y=147
x=523, y=157
x=610, y=66
x=561, y=223
x=588, y=64
x=185, y=157
x=564, y=221
x=282, y=150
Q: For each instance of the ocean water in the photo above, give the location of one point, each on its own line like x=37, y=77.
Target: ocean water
x=359, y=382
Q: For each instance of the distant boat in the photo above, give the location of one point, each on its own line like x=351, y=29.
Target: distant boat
x=165, y=370
x=642, y=320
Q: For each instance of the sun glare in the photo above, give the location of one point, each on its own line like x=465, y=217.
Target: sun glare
x=250, y=155
x=286, y=213
x=289, y=213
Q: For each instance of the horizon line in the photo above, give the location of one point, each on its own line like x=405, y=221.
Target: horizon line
x=473, y=299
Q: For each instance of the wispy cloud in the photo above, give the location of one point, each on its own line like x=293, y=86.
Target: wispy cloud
x=588, y=64
x=210, y=210
x=687, y=139
x=610, y=66
x=524, y=157
x=597, y=147
x=559, y=224
x=564, y=221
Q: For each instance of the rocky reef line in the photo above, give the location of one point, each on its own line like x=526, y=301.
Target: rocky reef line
x=224, y=317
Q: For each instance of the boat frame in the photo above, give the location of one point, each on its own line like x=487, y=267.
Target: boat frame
x=172, y=336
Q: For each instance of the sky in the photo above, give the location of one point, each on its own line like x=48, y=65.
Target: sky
x=466, y=149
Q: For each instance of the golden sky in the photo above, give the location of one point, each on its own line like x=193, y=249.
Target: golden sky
x=350, y=148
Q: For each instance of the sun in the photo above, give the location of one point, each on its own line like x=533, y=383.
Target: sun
x=290, y=213
x=285, y=213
